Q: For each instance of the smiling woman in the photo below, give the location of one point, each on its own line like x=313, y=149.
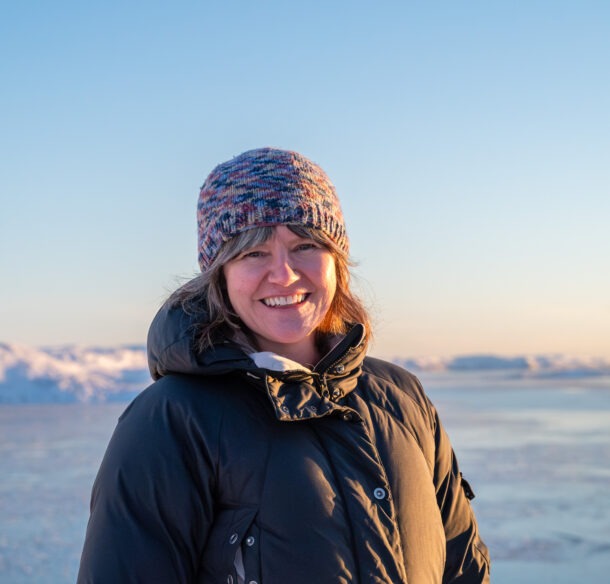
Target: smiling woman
x=269, y=438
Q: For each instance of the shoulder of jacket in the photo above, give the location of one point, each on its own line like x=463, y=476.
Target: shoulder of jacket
x=184, y=386
x=394, y=378
x=181, y=392
x=392, y=374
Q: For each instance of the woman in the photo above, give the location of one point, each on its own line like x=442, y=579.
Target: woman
x=270, y=449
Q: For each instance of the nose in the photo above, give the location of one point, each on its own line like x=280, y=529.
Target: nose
x=281, y=270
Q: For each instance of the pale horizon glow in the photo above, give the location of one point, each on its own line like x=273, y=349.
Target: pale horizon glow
x=468, y=142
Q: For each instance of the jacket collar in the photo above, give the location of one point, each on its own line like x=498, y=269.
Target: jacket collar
x=298, y=394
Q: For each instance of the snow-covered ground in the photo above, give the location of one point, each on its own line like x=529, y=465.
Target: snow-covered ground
x=533, y=442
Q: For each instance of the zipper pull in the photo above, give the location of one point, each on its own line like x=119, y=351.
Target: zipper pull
x=323, y=386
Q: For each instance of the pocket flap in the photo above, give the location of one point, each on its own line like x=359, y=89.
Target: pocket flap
x=228, y=531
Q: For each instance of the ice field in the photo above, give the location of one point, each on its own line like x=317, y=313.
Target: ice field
x=537, y=453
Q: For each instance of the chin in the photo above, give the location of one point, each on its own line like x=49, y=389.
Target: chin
x=285, y=337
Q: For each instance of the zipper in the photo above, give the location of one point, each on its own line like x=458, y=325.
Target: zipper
x=324, y=392
x=350, y=342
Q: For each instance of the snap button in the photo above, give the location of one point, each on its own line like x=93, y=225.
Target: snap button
x=285, y=409
x=250, y=541
x=233, y=538
x=229, y=579
x=379, y=493
x=339, y=368
x=337, y=393
x=347, y=417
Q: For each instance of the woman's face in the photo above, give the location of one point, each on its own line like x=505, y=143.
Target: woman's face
x=281, y=290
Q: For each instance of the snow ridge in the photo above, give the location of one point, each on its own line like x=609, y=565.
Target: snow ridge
x=71, y=374
x=538, y=366
x=94, y=374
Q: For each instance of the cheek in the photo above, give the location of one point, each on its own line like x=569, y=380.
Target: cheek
x=234, y=283
x=233, y=298
x=330, y=279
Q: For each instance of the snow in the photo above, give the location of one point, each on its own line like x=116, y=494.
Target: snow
x=75, y=374
x=532, y=366
x=71, y=374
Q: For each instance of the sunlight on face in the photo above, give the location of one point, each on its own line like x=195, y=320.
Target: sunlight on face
x=281, y=290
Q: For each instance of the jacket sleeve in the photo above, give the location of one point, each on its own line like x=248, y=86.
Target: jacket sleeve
x=467, y=559
x=151, y=505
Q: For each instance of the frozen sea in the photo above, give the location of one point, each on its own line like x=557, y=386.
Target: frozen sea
x=536, y=452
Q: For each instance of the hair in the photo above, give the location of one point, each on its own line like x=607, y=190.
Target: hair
x=206, y=301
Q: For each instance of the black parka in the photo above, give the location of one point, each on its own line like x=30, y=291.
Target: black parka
x=223, y=472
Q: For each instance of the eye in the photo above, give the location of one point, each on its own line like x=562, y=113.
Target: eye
x=307, y=246
x=253, y=253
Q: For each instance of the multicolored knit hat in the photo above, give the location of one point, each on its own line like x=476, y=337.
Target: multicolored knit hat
x=265, y=187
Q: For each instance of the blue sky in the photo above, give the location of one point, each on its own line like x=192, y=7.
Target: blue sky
x=469, y=142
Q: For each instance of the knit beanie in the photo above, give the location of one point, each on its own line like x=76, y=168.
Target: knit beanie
x=265, y=187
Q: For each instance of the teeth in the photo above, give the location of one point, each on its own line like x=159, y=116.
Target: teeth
x=284, y=300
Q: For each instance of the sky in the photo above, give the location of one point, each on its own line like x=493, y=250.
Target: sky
x=469, y=143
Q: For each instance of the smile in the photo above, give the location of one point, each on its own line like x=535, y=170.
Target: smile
x=273, y=301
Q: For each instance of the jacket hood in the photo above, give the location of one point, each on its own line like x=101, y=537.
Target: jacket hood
x=171, y=348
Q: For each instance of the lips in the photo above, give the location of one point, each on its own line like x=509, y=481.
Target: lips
x=275, y=301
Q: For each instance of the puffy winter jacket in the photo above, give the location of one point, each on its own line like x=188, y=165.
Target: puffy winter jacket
x=225, y=472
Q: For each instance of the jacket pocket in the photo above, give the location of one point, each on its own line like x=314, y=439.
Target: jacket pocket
x=231, y=553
